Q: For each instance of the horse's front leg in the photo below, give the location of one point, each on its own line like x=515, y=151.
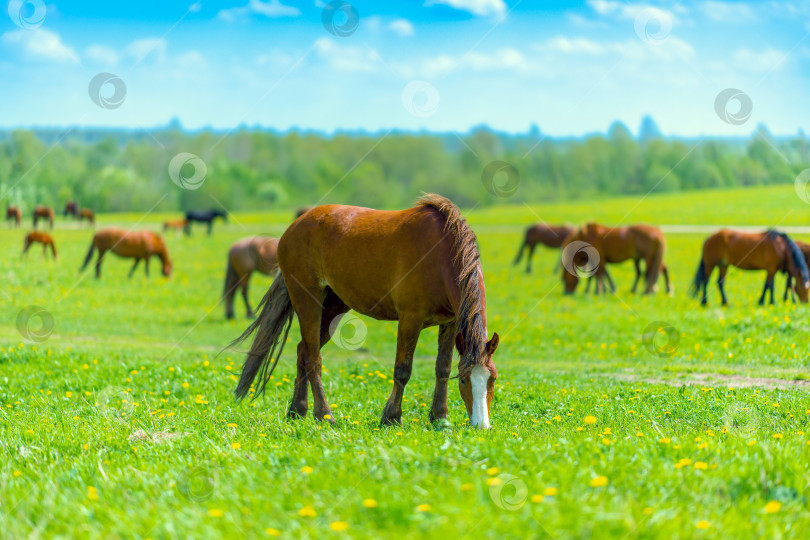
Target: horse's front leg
x=146, y=265
x=444, y=363
x=134, y=266
x=407, y=337
x=637, y=264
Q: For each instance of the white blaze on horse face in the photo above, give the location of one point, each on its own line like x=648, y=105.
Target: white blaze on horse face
x=480, y=413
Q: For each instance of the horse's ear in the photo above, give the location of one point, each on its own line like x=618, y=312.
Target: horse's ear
x=492, y=344
x=460, y=345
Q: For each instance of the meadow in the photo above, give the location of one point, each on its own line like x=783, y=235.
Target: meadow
x=122, y=423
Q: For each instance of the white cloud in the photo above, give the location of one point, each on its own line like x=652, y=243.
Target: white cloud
x=345, y=57
x=41, y=44
x=622, y=10
x=671, y=49
x=766, y=60
x=101, y=55
x=271, y=8
x=727, y=11
x=139, y=49
x=498, y=60
x=401, y=27
x=482, y=8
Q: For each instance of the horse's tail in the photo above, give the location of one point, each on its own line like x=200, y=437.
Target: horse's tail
x=654, y=269
x=231, y=283
x=700, y=278
x=89, y=255
x=271, y=328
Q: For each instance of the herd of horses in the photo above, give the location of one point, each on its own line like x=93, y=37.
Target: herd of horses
x=420, y=267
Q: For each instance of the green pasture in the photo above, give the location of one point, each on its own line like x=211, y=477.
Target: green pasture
x=122, y=424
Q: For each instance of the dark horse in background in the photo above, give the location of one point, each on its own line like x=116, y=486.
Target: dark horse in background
x=771, y=251
x=551, y=236
x=71, y=209
x=203, y=216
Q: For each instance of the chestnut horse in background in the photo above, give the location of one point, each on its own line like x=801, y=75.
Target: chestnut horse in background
x=129, y=244
x=618, y=244
x=257, y=253
x=552, y=236
x=13, y=213
x=771, y=251
x=419, y=267
x=87, y=214
x=43, y=212
x=39, y=237
x=176, y=224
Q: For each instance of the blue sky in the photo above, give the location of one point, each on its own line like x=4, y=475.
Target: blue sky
x=442, y=65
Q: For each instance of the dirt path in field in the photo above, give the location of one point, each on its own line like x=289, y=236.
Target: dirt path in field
x=716, y=379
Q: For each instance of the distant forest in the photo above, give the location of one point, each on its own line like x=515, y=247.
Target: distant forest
x=112, y=170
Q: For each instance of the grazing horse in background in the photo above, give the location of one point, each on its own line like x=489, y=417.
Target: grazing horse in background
x=71, y=209
x=14, y=214
x=43, y=212
x=771, y=251
x=203, y=216
x=419, y=267
x=303, y=210
x=618, y=244
x=87, y=214
x=39, y=237
x=129, y=244
x=548, y=235
x=176, y=224
x=257, y=253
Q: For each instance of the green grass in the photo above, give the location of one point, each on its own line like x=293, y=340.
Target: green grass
x=86, y=416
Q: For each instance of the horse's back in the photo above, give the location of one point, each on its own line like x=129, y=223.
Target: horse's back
x=372, y=259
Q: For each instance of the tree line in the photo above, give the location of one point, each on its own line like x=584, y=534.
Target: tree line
x=254, y=169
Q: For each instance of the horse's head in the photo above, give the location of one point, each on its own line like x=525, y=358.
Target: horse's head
x=477, y=387
x=167, y=266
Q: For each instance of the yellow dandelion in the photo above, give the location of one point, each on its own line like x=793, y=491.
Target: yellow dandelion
x=466, y=487
x=307, y=511
x=492, y=471
x=216, y=512
x=369, y=503
x=338, y=525
x=599, y=481
x=551, y=492
x=701, y=465
x=306, y=469
x=272, y=532
x=236, y=446
x=590, y=420
x=423, y=508
x=773, y=507
x=537, y=498
x=494, y=481
x=92, y=493
x=703, y=524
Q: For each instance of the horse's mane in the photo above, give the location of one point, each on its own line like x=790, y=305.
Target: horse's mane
x=795, y=254
x=470, y=318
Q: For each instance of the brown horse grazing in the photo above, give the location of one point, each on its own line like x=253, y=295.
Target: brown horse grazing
x=87, y=214
x=13, y=214
x=43, y=212
x=71, y=209
x=616, y=245
x=256, y=253
x=176, y=224
x=42, y=238
x=548, y=235
x=419, y=267
x=129, y=244
x=771, y=251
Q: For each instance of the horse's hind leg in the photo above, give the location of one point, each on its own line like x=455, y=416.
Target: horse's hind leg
x=244, y=286
x=101, y=253
x=444, y=363
x=134, y=266
x=529, y=258
x=407, y=336
x=637, y=264
x=721, y=282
